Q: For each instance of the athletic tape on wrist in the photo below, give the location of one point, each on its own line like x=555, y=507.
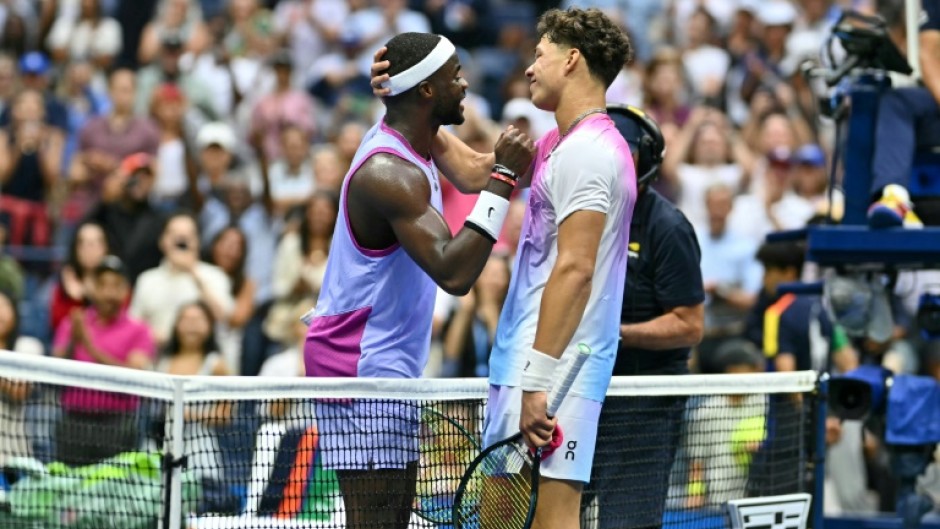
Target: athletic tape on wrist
x=489, y=213
x=408, y=79
x=539, y=371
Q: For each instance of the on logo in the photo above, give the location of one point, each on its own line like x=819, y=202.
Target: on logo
x=569, y=454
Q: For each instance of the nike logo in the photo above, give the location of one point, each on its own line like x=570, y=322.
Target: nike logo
x=527, y=364
x=490, y=212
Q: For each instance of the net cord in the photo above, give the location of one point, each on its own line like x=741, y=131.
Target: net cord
x=63, y=372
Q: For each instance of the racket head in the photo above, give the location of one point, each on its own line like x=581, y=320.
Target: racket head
x=445, y=448
x=500, y=488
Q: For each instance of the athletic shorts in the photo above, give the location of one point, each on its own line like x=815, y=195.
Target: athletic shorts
x=367, y=434
x=578, y=418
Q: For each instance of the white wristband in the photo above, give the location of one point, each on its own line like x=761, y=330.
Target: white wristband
x=489, y=213
x=539, y=371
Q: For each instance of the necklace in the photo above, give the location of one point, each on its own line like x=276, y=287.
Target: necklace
x=575, y=124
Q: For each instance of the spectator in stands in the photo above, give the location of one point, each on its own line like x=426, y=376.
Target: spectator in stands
x=250, y=32
x=291, y=177
x=725, y=434
x=772, y=206
x=166, y=68
x=810, y=179
x=30, y=164
x=469, y=335
x=369, y=25
x=300, y=262
x=347, y=141
x=192, y=350
x=763, y=65
x=19, y=27
x=706, y=65
x=290, y=361
x=731, y=274
x=282, y=108
x=327, y=168
x=229, y=251
x=87, y=249
x=181, y=278
x=8, y=81
x=465, y=22
x=35, y=75
x=181, y=17
x=234, y=205
x=106, y=140
x=132, y=225
x=311, y=29
x=216, y=144
x=102, y=334
x=664, y=95
x=83, y=101
x=14, y=440
x=173, y=167
x=90, y=36
x=12, y=276
x=707, y=151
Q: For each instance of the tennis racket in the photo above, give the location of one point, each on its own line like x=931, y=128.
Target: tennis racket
x=445, y=447
x=500, y=487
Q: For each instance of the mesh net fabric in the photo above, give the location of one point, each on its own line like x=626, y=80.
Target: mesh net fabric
x=90, y=446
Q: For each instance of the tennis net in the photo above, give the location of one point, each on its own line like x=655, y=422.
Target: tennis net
x=92, y=446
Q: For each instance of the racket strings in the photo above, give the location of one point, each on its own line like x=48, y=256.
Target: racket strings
x=498, y=493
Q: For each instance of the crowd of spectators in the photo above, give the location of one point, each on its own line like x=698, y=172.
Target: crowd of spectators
x=204, y=143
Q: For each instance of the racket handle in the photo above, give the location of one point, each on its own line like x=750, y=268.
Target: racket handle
x=558, y=393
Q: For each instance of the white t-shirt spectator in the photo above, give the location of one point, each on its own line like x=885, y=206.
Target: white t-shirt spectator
x=160, y=292
x=84, y=40
x=750, y=219
x=694, y=181
x=369, y=24
x=14, y=441
x=287, y=185
x=292, y=17
x=705, y=64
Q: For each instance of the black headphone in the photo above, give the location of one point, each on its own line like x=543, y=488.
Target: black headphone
x=643, y=134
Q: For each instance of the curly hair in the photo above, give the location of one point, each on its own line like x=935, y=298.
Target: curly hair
x=603, y=43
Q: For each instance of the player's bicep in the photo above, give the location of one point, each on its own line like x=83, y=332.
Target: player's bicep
x=579, y=237
x=400, y=193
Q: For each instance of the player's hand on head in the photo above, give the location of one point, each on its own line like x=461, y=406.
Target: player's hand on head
x=534, y=423
x=379, y=67
x=515, y=150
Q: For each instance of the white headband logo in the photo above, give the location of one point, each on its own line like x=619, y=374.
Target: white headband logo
x=410, y=78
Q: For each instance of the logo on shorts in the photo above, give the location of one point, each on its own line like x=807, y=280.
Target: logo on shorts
x=569, y=452
x=489, y=213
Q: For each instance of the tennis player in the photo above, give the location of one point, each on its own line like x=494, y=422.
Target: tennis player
x=390, y=251
x=567, y=284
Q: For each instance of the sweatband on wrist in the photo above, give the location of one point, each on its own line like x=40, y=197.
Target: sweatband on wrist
x=504, y=179
x=505, y=171
x=539, y=371
x=408, y=79
x=489, y=213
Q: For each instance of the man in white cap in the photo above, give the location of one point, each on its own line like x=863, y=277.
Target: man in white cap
x=390, y=252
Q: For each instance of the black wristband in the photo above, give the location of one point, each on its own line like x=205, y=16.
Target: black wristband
x=505, y=171
x=479, y=230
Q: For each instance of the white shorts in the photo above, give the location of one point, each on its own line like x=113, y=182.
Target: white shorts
x=367, y=434
x=577, y=416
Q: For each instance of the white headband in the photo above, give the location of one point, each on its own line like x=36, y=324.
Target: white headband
x=410, y=78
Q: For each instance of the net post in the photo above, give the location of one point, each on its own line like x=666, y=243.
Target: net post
x=819, y=455
x=173, y=458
